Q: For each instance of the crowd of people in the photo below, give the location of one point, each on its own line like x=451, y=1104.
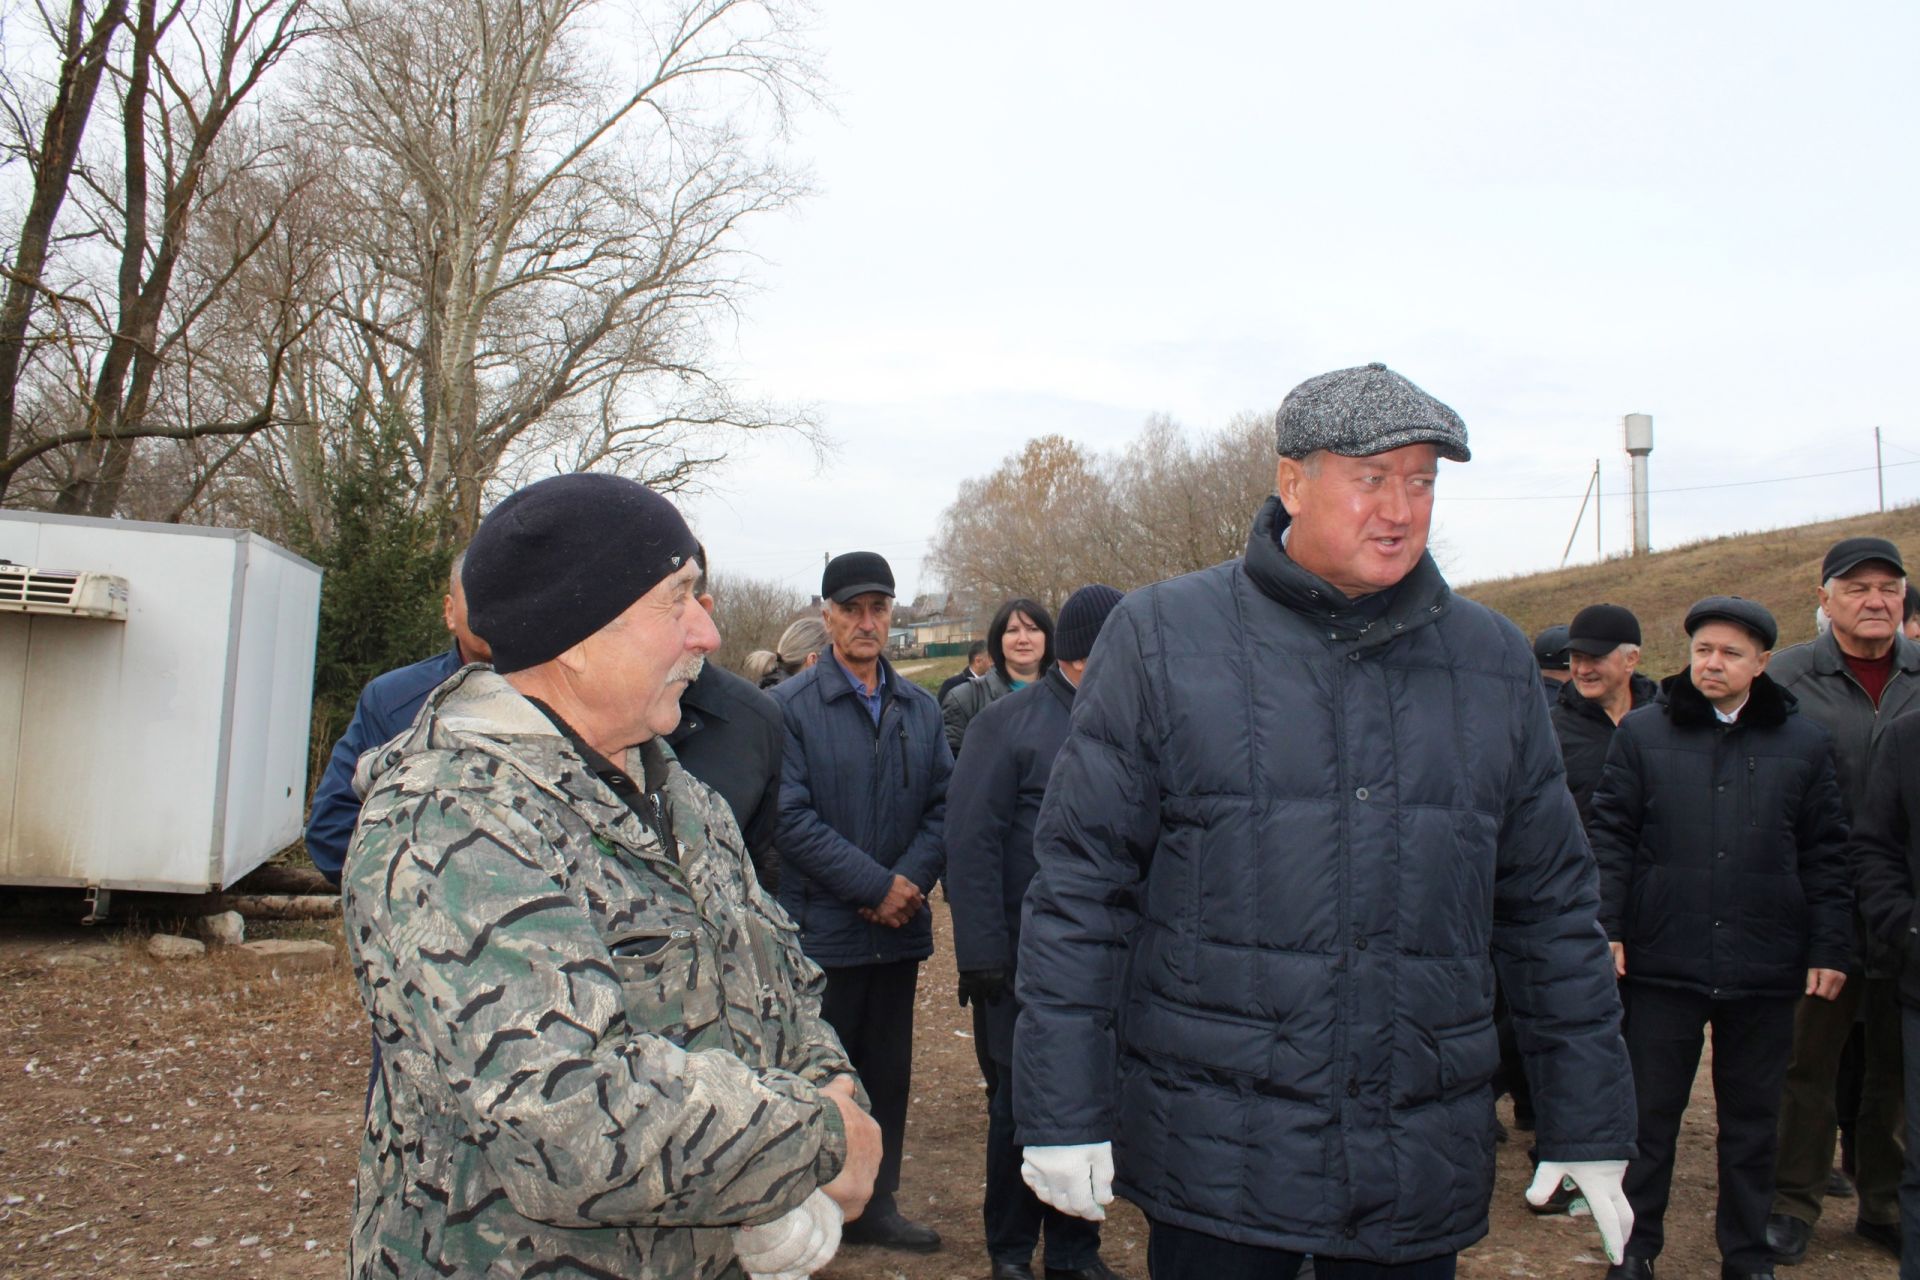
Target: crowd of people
x=1263, y=881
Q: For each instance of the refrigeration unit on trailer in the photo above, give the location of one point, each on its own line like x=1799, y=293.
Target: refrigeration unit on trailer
x=156, y=683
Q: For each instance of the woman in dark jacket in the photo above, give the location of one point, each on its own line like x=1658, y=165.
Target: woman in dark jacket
x=1020, y=642
x=1720, y=840
x=992, y=804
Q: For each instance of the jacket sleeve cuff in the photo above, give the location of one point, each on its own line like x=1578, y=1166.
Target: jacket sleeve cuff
x=833, y=1143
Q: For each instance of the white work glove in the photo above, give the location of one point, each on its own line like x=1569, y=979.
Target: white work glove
x=1599, y=1181
x=1076, y=1180
x=795, y=1244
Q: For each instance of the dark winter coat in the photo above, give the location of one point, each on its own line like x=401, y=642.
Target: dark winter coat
x=951, y=683
x=1817, y=676
x=386, y=708
x=729, y=737
x=959, y=707
x=1886, y=851
x=1282, y=853
x=991, y=809
x=1584, y=730
x=1722, y=847
x=859, y=804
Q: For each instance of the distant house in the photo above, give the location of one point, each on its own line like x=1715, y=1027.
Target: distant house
x=940, y=637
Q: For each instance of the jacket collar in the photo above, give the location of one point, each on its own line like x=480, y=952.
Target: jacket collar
x=477, y=710
x=1643, y=690
x=707, y=698
x=1768, y=705
x=1421, y=597
x=831, y=678
x=1059, y=686
x=1829, y=661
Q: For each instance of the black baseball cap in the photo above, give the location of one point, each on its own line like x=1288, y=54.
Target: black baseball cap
x=1599, y=629
x=1849, y=554
x=855, y=574
x=1550, y=648
x=1741, y=612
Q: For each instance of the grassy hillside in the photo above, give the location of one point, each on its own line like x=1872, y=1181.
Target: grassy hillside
x=1779, y=567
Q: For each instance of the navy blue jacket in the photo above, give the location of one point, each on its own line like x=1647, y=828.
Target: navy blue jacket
x=387, y=705
x=998, y=784
x=859, y=804
x=1283, y=851
x=1722, y=848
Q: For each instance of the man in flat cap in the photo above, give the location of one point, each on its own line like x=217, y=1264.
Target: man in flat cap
x=1853, y=680
x=602, y=1050
x=863, y=794
x=1722, y=850
x=1550, y=651
x=1310, y=802
x=1604, y=653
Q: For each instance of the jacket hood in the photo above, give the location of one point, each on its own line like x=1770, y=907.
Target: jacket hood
x=1643, y=689
x=476, y=709
x=1419, y=598
x=1768, y=705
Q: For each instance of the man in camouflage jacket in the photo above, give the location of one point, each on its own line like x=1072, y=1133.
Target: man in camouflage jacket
x=602, y=1046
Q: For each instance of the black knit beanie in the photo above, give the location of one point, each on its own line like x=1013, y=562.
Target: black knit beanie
x=1081, y=618
x=560, y=559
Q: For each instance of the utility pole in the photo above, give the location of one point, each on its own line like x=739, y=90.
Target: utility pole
x=1879, y=475
x=1599, y=552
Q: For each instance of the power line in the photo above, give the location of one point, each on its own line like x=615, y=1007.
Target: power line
x=1688, y=488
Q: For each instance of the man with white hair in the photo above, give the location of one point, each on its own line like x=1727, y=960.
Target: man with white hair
x=602, y=1049
x=1604, y=644
x=1309, y=804
x=1854, y=680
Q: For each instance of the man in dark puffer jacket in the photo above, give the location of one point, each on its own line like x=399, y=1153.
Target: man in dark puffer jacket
x=1721, y=842
x=1309, y=802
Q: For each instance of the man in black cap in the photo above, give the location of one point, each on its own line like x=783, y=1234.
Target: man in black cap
x=1308, y=804
x=862, y=799
x=1550, y=651
x=1854, y=680
x=1604, y=651
x=1722, y=852
x=998, y=784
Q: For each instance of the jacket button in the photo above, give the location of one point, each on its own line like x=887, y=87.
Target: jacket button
x=1353, y=1088
x=1361, y=794
x=1351, y=1231
x=1721, y=787
x=1721, y=854
x=1359, y=944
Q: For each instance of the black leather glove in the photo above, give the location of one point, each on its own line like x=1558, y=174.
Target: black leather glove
x=984, y=986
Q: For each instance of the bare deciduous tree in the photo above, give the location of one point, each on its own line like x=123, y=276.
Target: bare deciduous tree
x=113, y=364
x=536, y=249
x=1052, y=517
x=750, y=614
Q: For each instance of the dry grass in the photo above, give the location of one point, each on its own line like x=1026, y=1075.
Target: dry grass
x=1778, y=567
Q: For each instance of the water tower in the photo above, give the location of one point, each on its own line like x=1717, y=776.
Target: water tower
x=1639, y=445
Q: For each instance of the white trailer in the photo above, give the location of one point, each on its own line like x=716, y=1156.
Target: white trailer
x=156, y=685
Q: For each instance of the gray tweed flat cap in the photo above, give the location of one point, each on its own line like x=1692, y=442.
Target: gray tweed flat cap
x=1364, y=411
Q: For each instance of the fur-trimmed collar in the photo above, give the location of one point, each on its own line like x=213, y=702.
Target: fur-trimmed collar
x=1768, y=705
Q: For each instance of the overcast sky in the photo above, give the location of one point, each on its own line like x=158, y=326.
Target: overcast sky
x=1063, y=217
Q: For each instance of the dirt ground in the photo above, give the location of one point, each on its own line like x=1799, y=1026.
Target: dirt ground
x=201, y=1117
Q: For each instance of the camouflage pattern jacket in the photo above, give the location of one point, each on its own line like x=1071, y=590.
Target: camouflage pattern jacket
x=596, y=1059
